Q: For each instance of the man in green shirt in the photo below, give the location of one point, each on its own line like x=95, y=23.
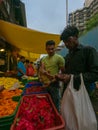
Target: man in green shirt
x=51, y=65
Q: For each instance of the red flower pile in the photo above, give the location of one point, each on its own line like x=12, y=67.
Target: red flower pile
x=35, y=113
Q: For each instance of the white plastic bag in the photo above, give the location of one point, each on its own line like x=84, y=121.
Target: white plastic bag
x=24, y=77
x=15, y=86
x=76, y=108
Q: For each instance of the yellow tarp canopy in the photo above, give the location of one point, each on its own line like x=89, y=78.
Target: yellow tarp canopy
x=30, y=42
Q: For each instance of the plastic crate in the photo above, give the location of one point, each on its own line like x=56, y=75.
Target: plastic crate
x=34, y=83
x=59, y=120
x=16, y=98
x=35, y=78
x=7, y=119
x=5, y=126
x=34, y=88
x=25, y=81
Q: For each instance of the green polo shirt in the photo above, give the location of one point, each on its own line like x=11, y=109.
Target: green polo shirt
x=53, y=63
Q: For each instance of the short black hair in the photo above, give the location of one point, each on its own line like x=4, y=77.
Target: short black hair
x=22, y=57
x=50, y=42
x=69, y=31
x=27, y=61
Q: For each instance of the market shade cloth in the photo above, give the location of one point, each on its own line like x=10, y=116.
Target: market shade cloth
x=30, y=42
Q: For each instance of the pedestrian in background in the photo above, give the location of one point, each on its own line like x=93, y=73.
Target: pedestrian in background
x=29, y=68
x=21, y=67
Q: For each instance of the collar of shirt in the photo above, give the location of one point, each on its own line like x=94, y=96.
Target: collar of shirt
x=76, y=49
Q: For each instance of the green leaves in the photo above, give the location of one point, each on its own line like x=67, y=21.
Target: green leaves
x=93, y=22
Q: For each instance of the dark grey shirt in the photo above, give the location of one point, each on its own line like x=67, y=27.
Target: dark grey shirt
x=84, y=59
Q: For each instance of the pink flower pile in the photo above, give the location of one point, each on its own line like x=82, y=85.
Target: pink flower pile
x=35, y=113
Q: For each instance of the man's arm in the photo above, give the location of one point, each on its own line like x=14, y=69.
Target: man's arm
x=91, y=73
x=21, y=71
x=62, y=64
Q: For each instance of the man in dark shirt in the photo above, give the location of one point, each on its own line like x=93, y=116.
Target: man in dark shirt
x=80, y=59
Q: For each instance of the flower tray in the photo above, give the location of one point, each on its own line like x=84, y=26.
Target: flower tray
x=6, y=121
x=42, y=114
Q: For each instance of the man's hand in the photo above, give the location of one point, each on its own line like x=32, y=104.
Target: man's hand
x=67, y=78
x=51, y=77
x=59, y=77
x=63, y=77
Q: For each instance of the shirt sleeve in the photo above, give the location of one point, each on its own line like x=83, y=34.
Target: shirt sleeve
x=19, y=65
x=61, y=61
x=91, y=73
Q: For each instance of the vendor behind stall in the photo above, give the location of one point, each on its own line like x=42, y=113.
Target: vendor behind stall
x=21, y=67
x=13, y=62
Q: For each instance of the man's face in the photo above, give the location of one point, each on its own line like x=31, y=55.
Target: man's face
x=50, y=50
x=23, y=60
x=71, y=42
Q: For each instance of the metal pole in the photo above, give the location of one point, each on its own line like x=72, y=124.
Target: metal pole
x=66, y=12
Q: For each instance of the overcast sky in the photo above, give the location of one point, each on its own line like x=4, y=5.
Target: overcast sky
x=49, y=15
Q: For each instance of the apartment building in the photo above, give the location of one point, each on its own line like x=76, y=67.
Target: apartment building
x=13, y=11
x=87, y=3
x=81, y=16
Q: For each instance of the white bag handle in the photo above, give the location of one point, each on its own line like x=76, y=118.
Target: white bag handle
x=71, y=86
x=76, y=108
x=82, y=81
